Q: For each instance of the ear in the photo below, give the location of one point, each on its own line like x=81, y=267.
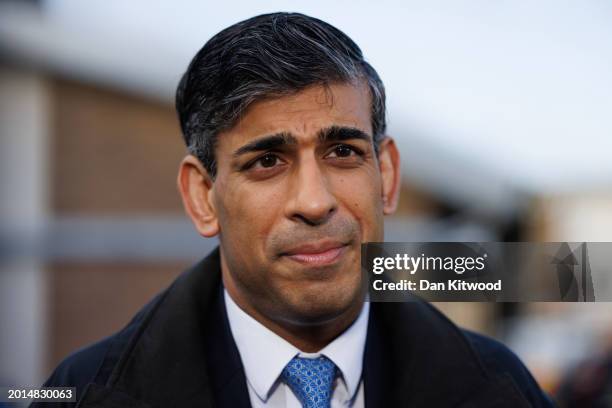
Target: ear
x=196, y=188
x=389, y=164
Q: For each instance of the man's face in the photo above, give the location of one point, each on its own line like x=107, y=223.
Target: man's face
x=298, y=189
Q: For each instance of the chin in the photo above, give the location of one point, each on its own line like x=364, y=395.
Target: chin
x=321, y=302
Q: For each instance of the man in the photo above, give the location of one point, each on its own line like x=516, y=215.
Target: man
x=291, y=168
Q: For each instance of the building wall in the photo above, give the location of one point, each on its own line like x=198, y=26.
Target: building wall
x=113, y=157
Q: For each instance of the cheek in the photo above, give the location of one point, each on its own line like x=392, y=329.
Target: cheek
x=360, y=195
x=249, y=213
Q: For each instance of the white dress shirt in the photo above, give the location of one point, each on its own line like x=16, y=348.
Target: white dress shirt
x=264, y=355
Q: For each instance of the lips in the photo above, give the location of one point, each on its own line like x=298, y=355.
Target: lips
x=320, y=254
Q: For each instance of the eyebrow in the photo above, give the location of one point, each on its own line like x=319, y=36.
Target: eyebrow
x=330, y=134
x=341, y=133
x=267, y=143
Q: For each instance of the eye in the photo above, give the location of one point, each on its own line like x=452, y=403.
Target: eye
x=342, y=150
x=267, y=161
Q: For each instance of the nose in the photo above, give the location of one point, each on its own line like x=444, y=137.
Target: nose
x=311, y=201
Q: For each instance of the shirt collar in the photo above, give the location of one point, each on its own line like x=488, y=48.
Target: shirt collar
x=262, y=368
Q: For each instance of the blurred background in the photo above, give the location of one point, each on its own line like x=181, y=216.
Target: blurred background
x=502, y=111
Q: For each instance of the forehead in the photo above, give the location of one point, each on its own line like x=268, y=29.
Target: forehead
x=304, y=113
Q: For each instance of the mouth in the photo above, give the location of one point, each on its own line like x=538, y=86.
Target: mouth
x=316, y=254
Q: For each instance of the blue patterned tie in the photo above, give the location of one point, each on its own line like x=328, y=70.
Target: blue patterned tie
x=311, y=380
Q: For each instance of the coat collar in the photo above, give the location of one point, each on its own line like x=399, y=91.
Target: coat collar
x=178, y=351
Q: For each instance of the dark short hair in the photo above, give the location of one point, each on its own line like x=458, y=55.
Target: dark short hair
x=266, y=56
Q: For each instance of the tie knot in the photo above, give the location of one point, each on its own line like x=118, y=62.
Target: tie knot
x=311, y=380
